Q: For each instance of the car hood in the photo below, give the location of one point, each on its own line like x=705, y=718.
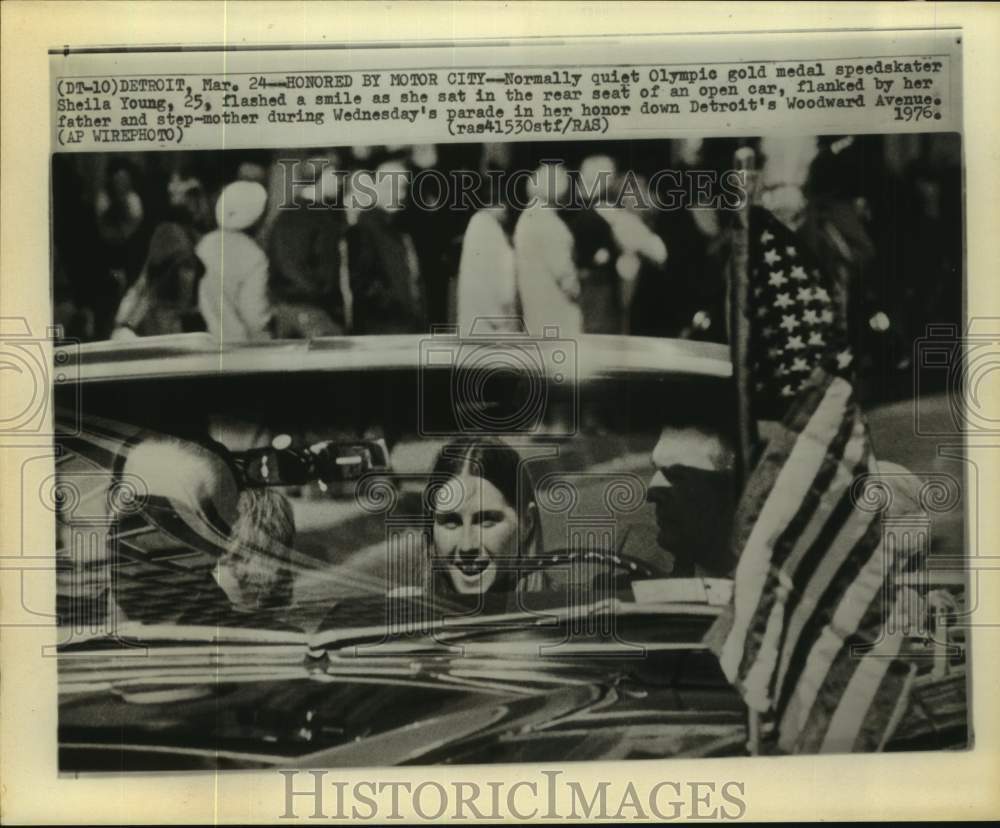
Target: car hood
x=247, y=706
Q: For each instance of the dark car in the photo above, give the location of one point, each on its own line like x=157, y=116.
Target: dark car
x=161, y=668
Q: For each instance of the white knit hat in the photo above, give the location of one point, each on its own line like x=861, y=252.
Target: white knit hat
x=190, y=491
x=240, y=204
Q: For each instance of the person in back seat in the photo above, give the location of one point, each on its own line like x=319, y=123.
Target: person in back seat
x=255, y=571
x=199, y=550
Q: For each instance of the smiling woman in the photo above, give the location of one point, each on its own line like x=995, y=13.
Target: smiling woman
x=483, y=521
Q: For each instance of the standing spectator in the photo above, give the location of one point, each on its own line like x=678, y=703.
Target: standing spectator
x=73, y=318
x=382, y=261
x=189, y=205
x=233, y=295
x=252, y=170
x=595, y=248
x=304, y=250
x=643, y=253
x=119, y=212
x=543, y=251
x=787, y=160
x=613, y=244
x=685, y=297
x=84, y=293
x=163, y=298
x=434, y=225
x=835, y=228
x=487, y=279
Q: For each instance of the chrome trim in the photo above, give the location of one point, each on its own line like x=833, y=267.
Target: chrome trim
x=199, y=355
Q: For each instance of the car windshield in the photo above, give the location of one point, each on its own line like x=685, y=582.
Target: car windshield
x=339, y=499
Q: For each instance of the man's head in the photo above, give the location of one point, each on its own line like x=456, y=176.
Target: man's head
x=693, y=492
x=120, y=178
x=384, y=187
x=240, y=206
x=548, y=185
x=313, y=179
x=596, y=175
x=390, y=185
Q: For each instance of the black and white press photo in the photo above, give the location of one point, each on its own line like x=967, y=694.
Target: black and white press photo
x=508, y=406
x=473, y=442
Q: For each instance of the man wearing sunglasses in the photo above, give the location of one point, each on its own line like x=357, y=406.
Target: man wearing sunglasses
x=694, y=497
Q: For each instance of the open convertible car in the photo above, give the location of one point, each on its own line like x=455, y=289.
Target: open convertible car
x=611, y=660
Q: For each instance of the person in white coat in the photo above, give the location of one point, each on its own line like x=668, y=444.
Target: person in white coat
x=547, y=279
x=487, y=276
x=233, y=295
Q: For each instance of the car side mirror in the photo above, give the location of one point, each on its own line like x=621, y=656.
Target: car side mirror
x=328, y=461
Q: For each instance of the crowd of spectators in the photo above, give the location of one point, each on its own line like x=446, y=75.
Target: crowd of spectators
x=257, y=245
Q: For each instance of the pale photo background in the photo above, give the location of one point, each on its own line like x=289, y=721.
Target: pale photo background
x=897, y=786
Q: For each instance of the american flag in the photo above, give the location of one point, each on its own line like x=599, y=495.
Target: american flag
x=806, y=639
x=808, y=646
x=794, y=323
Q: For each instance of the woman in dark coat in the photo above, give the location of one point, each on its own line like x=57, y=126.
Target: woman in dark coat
x=163, y=299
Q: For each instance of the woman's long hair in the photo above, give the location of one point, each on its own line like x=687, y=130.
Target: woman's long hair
x=260, y=549
x=491, y=459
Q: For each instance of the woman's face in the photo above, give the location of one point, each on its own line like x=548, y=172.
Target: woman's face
x=476, y=535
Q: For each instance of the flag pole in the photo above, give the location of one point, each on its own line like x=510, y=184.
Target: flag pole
x=744, y=161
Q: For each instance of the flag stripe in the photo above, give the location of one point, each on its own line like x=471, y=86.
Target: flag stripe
x=826, y=611
x=840, y=537
x=834, y=622
x=766, y=633
x=849, y=695
x=853, y=461
x=810, y=629
x=797, y=472
x=803, y=588
x=769, y=468
x=858, y=701
x=878, y=727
